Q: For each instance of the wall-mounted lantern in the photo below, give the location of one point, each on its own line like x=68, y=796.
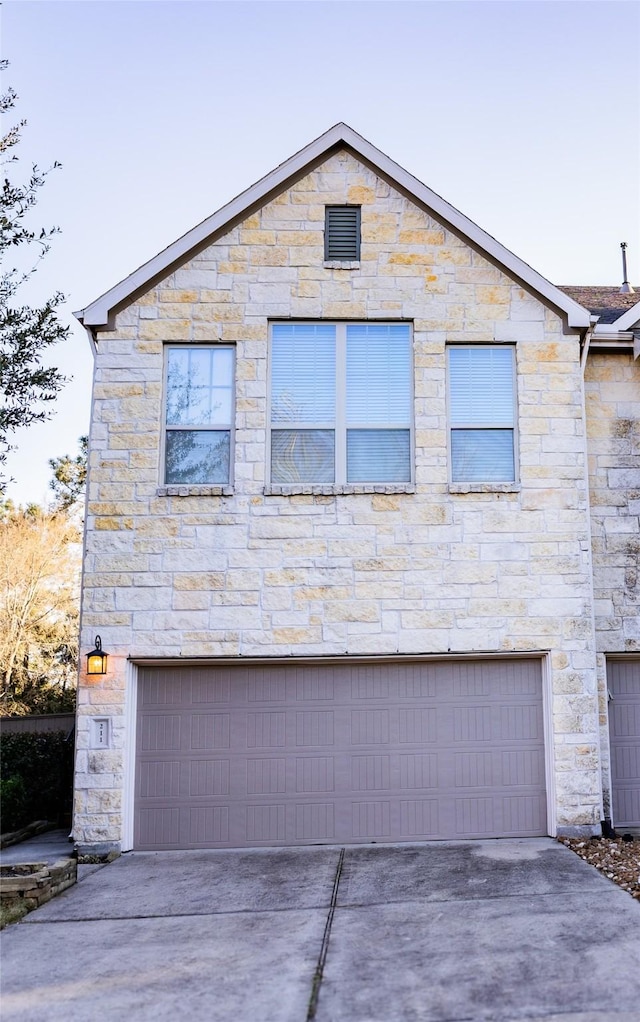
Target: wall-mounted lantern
x=97, y=659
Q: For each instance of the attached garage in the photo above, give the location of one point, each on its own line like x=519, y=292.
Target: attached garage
x=246, y=755
x=623, y=681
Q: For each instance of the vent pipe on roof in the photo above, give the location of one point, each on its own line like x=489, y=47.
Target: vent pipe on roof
x=626, y=288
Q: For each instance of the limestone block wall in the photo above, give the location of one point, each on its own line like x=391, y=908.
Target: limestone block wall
x=248, y=572
x=612, y=395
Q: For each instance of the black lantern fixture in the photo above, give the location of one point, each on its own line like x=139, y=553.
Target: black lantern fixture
x=96, y=659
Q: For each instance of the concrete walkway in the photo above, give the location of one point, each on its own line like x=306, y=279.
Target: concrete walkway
x=47, y=847
x=495, y=930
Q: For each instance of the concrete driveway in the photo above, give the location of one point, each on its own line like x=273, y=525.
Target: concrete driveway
x=499, y=930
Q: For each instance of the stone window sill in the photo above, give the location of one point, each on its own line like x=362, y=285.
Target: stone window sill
x=194, y=491
x=333, y=490
x=339, y=264
x=484, y=487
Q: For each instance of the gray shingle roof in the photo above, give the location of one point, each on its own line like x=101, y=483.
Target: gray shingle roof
x=603, y=301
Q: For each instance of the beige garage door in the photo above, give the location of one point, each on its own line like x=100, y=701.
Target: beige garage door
x=239, y=756
x=623, y=681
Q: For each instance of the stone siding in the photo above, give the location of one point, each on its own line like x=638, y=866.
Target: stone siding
x=247, y=572
x=612, y=394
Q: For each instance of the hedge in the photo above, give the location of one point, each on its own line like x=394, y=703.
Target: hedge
x=36, y=773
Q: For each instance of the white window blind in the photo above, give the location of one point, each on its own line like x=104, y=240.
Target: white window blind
x=340, y=403
x=482, y=413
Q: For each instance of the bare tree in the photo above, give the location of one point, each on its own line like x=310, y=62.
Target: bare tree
x=40, y=554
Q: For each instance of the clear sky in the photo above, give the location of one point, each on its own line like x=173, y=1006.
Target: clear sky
x=523, y=115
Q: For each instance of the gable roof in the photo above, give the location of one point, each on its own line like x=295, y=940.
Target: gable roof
x=608, y=303
x=100, y=312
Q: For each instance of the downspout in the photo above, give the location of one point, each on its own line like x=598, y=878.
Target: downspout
x=605, y=822
x=587, y=341
x=94, y=350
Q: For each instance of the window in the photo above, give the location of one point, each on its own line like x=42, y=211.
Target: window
x=342, y=233
x=199, y=410
x=482, y=414
x=340, y=403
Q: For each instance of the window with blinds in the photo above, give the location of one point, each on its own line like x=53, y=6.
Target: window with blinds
x=482, y=414
x=198, y=414
x=342, y=233
x=341, y=400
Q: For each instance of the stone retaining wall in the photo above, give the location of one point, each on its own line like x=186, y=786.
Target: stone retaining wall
x=32, y=884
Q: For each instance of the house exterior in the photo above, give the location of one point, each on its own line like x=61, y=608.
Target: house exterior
x=361, y=530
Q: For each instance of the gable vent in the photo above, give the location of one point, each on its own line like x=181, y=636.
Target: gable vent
x=342, y=233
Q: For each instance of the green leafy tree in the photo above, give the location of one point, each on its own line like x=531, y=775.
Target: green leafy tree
x=27, y=388
x=70, y=477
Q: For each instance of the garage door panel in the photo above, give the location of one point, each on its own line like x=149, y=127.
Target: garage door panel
x=475, y=817
x=208, y=777
x=266, y=824
x=314, y=774
x=208, y=825
x=314, y=686
x=168, y=689
x=266, y=730
x=209, y=731
x=161, y=732
x=368, y=684
x=626, y=717
x=288, y=754
x=412, y=683
x=370, y=727
x=417, y=770
x=268, y=687
x=520, y=723
x=474, y=770
x=626, y=762
x=315, y=821
x=371, y=820
x=627, y=807
x=519, y=767
x=419, y=817
x=210, y=690
x=160, y=779
x=623, y=681
x=522, y=813
x=266, y=776
x=417, y=725
x=370, y=773
x=314, y=728
x=158, y=828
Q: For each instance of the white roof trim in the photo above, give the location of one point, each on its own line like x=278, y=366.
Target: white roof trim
x=98, y=312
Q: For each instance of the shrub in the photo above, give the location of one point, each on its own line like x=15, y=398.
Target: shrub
x=37, y=777
x=12, y=800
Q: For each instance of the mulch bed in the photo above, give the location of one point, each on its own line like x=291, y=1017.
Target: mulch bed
x=617, y=859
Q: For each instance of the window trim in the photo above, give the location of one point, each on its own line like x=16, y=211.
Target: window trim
x=164, y=487
x=340, y=484
x=349, y=260
x=487, y=485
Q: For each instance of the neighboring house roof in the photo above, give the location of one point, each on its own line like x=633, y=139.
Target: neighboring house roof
x=606, y=302
x=341, y=136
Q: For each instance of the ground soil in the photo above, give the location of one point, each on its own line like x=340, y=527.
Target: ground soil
x=617, y=859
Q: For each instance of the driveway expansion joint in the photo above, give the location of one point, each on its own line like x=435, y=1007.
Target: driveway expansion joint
x=324, y=947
